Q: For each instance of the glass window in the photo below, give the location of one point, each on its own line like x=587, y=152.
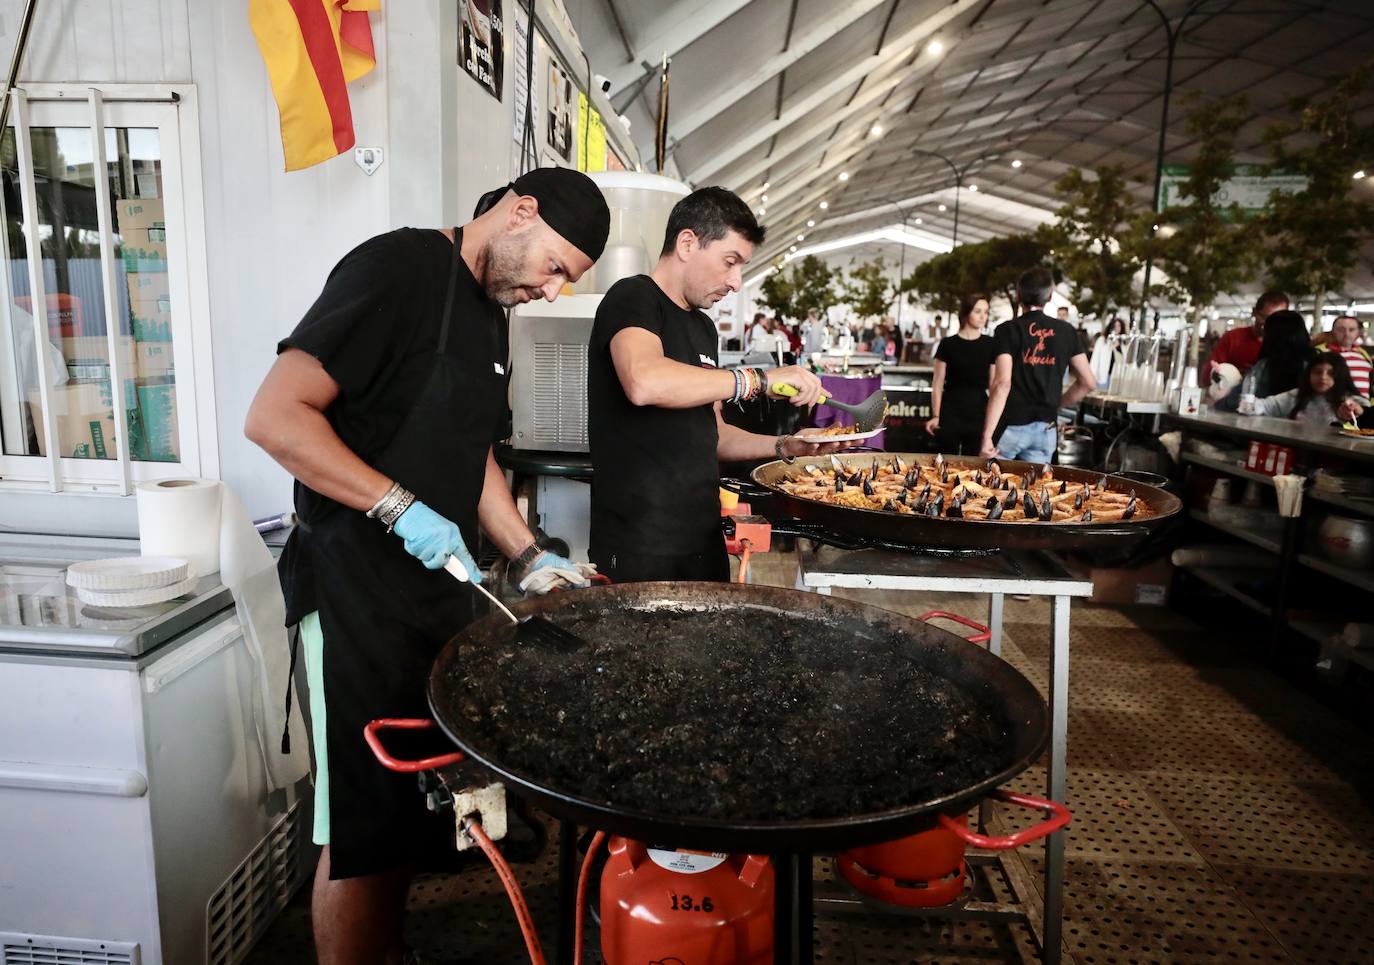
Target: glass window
x=75, y=354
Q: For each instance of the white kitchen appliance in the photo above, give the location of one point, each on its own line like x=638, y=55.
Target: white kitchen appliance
x=135, y=821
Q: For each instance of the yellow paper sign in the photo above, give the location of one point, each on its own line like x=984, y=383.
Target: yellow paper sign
x=591, y=137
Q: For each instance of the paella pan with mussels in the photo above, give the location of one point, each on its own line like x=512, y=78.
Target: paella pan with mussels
x=931, y=500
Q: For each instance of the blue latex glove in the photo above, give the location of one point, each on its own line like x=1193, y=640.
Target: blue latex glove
x=432, y=539
x=550, y=569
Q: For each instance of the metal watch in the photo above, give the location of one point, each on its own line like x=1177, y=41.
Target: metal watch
x=777, y=448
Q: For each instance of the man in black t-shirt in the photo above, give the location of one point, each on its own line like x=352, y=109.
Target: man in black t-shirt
x=384, y=404
x=654, y=393
x=1032, y=353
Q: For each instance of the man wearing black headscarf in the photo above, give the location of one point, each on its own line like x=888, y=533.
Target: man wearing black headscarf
x=384, y=404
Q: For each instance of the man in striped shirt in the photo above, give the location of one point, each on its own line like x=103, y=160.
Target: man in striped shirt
x=1345, y=332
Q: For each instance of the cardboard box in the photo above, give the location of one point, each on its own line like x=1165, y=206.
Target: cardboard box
x=1268, y=458
x=88, y=357
x=85, y=424
x=1147, y=585
x=138, y=213
x=157, y=410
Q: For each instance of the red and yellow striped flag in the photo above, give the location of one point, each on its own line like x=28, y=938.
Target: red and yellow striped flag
x=312, y=49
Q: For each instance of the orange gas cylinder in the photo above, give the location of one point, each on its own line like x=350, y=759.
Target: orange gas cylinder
x=920, y=871
x=685, y=907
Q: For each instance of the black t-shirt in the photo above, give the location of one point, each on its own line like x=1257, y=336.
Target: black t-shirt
x=965, y=396
x=375, y=329
x=656, y=479
x=1040, y=348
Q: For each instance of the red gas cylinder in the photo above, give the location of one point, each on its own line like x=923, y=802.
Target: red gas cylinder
x=920, y=871
x=685, y=907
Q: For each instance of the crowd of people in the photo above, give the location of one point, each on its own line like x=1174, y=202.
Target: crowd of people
x=813, y=334
x=1276, y=367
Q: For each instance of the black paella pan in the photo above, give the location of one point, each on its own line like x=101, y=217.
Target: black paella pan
x=756, y=774
x=946, y=533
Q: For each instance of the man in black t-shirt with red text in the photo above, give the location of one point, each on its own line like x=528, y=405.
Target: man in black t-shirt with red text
x=1031, y=354
x=654, y=394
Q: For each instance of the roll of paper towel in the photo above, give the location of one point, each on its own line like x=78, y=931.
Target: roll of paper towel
x=181, y=517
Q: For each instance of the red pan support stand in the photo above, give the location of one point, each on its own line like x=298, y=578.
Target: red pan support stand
x=373, y=729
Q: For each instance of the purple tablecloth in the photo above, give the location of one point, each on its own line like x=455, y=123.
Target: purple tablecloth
x=850, y=389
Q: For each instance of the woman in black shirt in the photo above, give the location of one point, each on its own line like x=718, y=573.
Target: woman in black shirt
x=963, y=369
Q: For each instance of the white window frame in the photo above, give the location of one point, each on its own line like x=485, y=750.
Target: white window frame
x=172, y=111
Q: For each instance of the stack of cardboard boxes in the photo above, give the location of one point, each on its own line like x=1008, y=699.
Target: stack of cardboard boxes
x=84, y=406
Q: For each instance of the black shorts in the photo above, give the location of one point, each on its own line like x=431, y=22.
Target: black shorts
x=712, y=567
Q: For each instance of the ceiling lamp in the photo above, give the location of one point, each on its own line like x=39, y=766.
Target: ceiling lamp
x=1016, y=163
x=762, y=212
x=767, y=185
x=801, y=237
x=844, y=175
x=973, y=187
x=764, y=199
x=1359, y=174
x=824, y=205
x=811, y=224
x=919, y=221
x=943, y=208
x=792, y=249
x=876, y=130
x=935, y=47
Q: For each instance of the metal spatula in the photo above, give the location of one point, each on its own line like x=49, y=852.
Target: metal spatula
x=868, y=414
x=531, y=630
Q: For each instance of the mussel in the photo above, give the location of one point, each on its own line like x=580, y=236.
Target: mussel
x=868, y=488
x=956, y=510
x=921, y=502
x=1102, y=484
x=1063, y=487
x=1129, y=511
x=993, y=501
x=1046, y=507
x=874, y=470
x=856, y=478
x=978, y=477
x=1010, y=501
x=836, y=465
x=1028, y=506
x=944, y=473
x=1079, y=498
x=811, y=469
x=901, y=497
x=1087, y=516
x=898, y=466
x=839, y=483
x=996, y=511
x=936, y=504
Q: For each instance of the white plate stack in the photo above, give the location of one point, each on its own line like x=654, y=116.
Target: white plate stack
x=130, y=580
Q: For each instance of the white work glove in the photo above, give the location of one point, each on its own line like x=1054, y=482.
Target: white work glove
x=551, y=571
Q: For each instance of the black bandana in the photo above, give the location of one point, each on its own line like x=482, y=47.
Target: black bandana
x=571, y=204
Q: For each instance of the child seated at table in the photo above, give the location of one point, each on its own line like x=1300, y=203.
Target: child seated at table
x=1326, y=394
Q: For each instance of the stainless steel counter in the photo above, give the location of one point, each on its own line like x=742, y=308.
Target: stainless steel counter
x=39, y=612
x=1285, y=432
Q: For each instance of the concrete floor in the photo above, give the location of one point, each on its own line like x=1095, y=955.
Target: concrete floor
x=1220, y=815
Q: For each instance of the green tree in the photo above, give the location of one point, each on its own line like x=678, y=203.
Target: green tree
x=1203, y=245
x=989, y=267
x=776, y=294
x=816, y=287
x=1094, y=239
x=868, y=289
x=1316, y=234
x=810, y=284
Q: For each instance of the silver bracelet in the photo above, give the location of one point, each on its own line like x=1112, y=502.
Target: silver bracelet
x=387, y=499
x=777, y=447
x=392, y=513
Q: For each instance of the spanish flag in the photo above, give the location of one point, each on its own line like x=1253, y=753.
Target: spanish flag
x=312, y=49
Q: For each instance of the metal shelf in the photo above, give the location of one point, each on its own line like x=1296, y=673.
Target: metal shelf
x=1224, y=579
x=1272, y=545
x=1363, y=579
x=1363, y=507
x=1232, y=468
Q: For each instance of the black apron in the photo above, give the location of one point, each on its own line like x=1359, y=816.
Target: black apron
x=383, y=616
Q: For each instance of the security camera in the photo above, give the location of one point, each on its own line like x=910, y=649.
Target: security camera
x=602, y=81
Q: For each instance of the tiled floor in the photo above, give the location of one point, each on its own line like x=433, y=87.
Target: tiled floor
x=1220, y=815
